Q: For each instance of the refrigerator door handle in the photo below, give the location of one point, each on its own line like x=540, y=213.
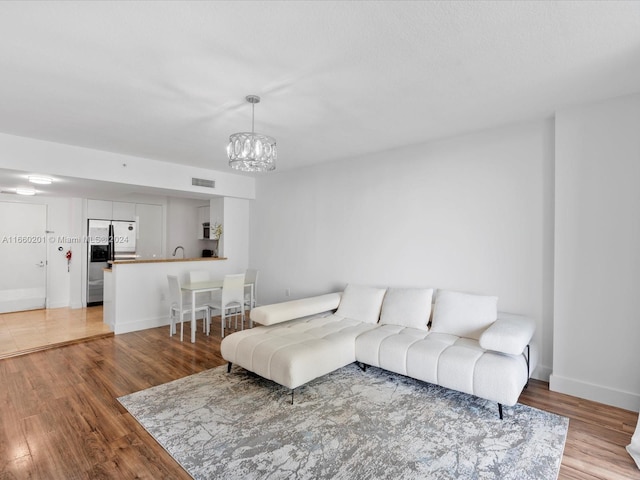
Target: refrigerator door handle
x=111, y=254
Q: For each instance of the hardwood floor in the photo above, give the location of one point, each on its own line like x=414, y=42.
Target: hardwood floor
x=33, y=330
x=60, y=418
x=597, y=437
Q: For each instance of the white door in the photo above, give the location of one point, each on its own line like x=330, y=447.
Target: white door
x=23, y=256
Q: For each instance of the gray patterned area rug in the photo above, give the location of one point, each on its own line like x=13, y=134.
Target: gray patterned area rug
x=348, y=424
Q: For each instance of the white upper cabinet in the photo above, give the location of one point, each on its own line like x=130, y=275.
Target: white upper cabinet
x=99, y=209
x=150, y=220
x=124, y=211
x=107, y=210
x=203, y=217
x=216, y=211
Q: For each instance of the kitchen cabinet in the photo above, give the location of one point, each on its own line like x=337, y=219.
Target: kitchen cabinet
x=150, y=230
x=107, y=210
x=124, y=211
x=203, y=217
x=216, y=213
x=99, y=209
x=213, y=214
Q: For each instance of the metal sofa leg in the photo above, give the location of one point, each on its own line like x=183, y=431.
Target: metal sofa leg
x=527, y=357
x=500, y=410
x=229, y=367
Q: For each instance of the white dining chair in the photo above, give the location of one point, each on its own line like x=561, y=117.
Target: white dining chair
x=250, y=290
x=180, y=307
x=231, y=298
x=202, y=298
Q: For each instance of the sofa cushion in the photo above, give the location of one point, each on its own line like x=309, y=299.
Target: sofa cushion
x=463, y=314
x=295, y=352
x=361, y=303
x=407, y=307
x=381, y=343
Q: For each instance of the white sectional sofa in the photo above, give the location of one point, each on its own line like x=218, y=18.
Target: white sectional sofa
x=459, y=342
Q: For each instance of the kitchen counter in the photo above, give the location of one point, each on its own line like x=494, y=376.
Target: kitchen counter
x=163, y=260
x=136, y=292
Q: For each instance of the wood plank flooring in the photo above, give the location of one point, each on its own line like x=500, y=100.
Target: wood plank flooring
x=34, y=330
x=60, y=419
x=597, y=437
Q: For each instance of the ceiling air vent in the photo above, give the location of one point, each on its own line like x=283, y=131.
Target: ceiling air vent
x=201, y=182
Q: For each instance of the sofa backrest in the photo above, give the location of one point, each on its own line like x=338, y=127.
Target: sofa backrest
x=463, y=314
x=407, y=307
x=361, y=303
x=455, y=313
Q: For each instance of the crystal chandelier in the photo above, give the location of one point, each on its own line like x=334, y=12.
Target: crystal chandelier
x=250, y=151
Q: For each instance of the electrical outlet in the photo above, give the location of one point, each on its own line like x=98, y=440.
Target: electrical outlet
x=287, y=292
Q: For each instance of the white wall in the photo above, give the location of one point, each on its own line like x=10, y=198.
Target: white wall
x=235, y=234
x=77, y=229
x=473, y=213
x=182, y=219
x=28, y=154
x=62, y=222
x=597, y=251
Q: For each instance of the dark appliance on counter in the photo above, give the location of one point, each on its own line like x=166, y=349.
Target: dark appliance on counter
x=207, y=253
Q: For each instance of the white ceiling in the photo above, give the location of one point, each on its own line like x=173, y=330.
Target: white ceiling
x=167, y=80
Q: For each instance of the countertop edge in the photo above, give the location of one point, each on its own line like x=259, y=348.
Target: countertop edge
x=167, y=260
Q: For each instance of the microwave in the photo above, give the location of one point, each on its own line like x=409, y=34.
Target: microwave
x=206, y=230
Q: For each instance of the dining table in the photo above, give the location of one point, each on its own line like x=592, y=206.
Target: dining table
x=202, y=287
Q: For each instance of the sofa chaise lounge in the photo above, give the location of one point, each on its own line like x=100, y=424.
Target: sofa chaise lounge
x=459, y=342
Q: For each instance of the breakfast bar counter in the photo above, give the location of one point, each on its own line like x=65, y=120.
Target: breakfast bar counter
x=136, y=292
x=165, y=260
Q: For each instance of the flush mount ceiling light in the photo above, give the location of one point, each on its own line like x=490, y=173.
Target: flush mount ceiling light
x=250, y=151
x=40, y=180
x=25, y=191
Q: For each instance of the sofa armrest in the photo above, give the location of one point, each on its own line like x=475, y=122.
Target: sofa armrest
x=281, y=312
x=508, y=334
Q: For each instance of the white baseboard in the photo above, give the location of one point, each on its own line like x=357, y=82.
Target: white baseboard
x=597, y=393
x=542, y=372
x=20, y=305
x=137, y=325
x=56, y=304
x=20, y=299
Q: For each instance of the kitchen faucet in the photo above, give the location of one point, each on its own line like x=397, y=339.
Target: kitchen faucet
x=176, y=251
